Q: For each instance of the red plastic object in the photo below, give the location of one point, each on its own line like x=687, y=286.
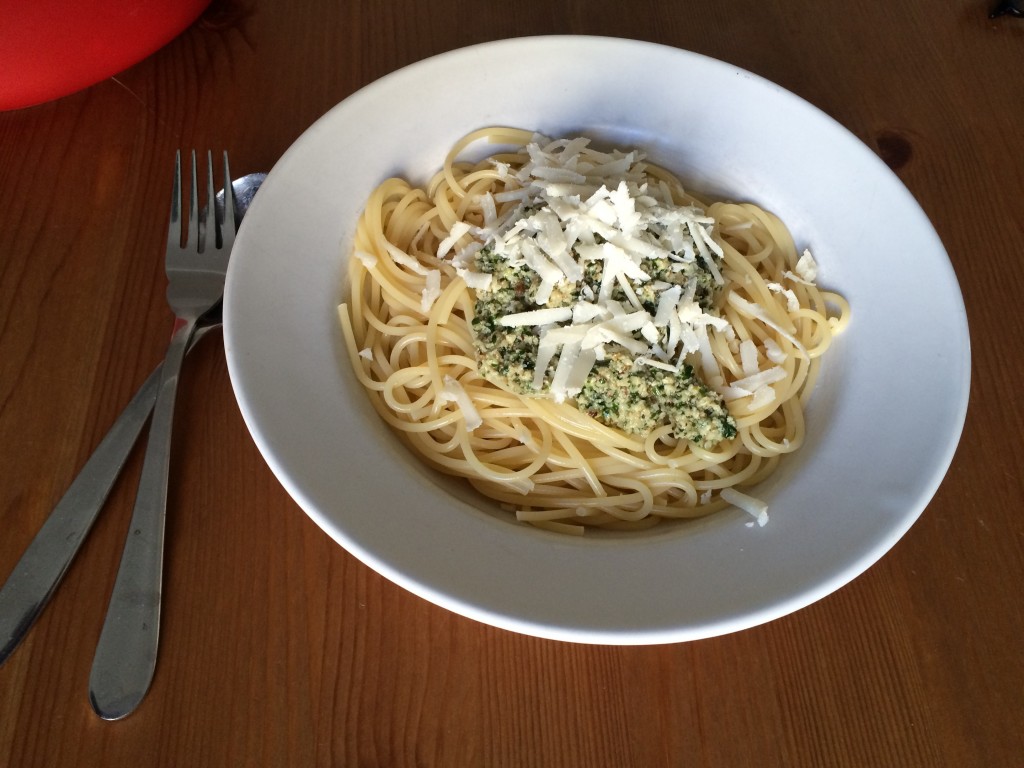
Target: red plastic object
x=51, y=48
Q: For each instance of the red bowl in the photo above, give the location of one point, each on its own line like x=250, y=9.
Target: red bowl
x=50, y=48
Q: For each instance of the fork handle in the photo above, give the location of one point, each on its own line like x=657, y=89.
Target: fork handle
x=125, y=659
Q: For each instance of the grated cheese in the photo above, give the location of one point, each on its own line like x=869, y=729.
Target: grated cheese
x=431, y=291
x=401, y=257
x=453, y=391
x=478, y=281
x=761, y=378
x=763, y=395
x=369, y=259
x=774, y=352
x=545, y=316
x=756, y=312
x=585, y=206
x=748, y=357
x=807, y=267
x=458, y=231
x=576, y=206
x=754, y=507
x=792, y=303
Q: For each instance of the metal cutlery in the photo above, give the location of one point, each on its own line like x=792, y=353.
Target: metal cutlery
x=41, y=568
x=126, y=654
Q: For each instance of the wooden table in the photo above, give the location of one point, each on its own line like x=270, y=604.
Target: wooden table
x=278, y=648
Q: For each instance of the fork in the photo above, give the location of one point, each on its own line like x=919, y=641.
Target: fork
x=126, y=654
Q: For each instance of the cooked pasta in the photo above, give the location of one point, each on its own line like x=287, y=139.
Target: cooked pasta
x=580, y=338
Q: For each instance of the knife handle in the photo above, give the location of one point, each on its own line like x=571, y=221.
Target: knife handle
x=42, y=566
x=46, y=559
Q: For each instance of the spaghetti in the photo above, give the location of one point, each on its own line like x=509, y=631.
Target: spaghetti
x=611, y=261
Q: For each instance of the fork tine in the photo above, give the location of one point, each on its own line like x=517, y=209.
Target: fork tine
x=228, y=225
x=193, y=210
x=209, y=242
x=174, y=228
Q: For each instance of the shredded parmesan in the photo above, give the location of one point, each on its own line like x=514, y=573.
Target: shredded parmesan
x=807, y=267
x=763, y=395
x=748, y=357
x=774, y=352
x=431, y=290
x=761, y=378
x=453, y=391
x=369, y=260
x=478, y=281
x=586, y=206
x=792, y=303
x=750, y=309
x=545, y=316
x=577, y=206
x=754, y=507
x=458, y=231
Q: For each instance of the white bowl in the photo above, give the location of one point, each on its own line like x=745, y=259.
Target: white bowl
x=883, y=422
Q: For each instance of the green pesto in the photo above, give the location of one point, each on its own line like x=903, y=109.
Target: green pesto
x=505, y=356
x=639, y=398
x=618, y=393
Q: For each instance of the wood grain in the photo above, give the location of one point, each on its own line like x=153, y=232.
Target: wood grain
x=278, y=647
